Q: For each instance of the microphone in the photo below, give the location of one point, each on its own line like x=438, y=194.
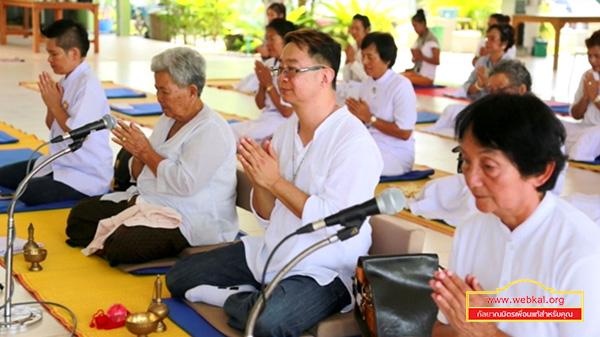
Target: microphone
x=107, y=121
x=390, y=201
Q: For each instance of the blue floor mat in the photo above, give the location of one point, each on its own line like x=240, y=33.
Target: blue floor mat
x=433, y=86
x=427, y=117
x=123, y=93
x=189, y=320
x=7, y=139
x=562, y=109
x=408, y=176
x=8, y=157
x=141, y=109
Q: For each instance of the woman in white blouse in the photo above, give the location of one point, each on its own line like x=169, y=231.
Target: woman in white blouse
x=387, y=104
x=583, y=138
x=511, y=147
x=353, y=69
x=187, y=165
x=274, y=110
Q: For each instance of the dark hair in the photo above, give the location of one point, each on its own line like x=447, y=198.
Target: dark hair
x=281, y=26
x=320, y=46
x=593, y=40
x=515, y=71
x=385, y=45
x=507, y=34
x=278, y=8
x=523, y=127
x=501, y=18
x=363, y=19
x=420, y=17
x=68, y=34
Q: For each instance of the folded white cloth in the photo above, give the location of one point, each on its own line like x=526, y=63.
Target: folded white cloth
x=137, y=215
x=447, y=199
x=588, y=204
x=444, y=126
x=583, y=141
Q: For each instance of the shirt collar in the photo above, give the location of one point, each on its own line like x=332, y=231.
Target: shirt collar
x=388, y=73
x=83, y=66
x=532, y=225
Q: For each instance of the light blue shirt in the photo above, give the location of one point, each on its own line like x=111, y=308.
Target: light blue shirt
x=88, y=170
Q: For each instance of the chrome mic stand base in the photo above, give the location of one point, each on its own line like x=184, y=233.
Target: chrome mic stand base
x=22, y=317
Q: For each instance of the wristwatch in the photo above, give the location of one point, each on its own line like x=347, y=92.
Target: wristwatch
x=371, y=121
x=269, y=88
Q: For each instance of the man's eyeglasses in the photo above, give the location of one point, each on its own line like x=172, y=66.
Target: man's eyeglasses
x=291, y=71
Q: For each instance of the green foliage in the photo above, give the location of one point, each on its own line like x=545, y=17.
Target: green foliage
x=336, y=17
x=477, y=10
x=207, y=18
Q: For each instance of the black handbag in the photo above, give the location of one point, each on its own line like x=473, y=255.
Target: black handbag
x=393, y=296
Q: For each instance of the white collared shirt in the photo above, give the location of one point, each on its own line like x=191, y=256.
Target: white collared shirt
x=592, y=114
x=355, y=71
x=392, y=98
x=88, y=170
x=197, y=177
x=339, y=168
x=556, y=246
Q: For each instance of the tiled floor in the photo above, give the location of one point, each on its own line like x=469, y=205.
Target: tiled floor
x=127, y=61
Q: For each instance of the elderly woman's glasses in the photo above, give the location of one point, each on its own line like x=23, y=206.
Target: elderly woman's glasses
x=291, y=71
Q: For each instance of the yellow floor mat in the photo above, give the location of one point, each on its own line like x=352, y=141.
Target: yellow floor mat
x=25, y=140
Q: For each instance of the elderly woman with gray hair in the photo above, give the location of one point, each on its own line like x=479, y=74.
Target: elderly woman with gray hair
x=185, y=174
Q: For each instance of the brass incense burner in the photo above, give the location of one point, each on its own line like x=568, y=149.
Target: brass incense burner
x=35, y=256
x=141, y=323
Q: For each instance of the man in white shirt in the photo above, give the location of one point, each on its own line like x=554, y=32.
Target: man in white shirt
x=77, y=99
x=320, y=161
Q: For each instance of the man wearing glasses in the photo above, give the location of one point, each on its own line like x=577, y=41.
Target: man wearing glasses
x=320, y=161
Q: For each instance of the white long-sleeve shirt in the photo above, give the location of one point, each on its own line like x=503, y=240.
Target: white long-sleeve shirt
x=392, y=98
x=556, y=246
x=197, y=177
x=339, y=168
x=88, y=170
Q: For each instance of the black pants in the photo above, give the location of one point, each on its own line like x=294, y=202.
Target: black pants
x=40, y=190
x=135, y=244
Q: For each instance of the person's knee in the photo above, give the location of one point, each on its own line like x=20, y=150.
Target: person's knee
x=175, y=280
x=77, y=230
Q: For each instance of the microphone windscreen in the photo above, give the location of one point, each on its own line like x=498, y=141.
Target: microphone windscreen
x=110, y=121
x=391, y=201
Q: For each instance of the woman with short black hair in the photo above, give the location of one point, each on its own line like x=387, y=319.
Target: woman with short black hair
x=387, y=104
x=511, y=146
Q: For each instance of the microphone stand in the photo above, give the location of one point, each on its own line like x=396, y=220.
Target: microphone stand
x=28, y=315
x=349, y=230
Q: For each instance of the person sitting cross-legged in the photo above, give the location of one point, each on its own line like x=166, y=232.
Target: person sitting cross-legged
x=185, y=173
x=319, y=161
